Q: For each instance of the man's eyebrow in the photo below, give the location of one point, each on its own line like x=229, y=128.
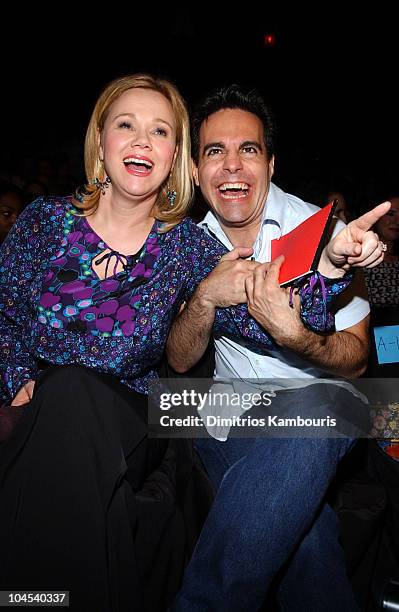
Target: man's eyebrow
x=251, y=143
x=211, y=145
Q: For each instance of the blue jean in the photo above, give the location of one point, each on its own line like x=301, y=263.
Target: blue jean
x=269, y=518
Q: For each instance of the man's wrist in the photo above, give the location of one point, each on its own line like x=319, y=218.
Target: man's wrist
x=328, y=269
x=202, y=299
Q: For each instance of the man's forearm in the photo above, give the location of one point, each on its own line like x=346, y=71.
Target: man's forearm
x=225, y=286
x=343, y=353
x=190, y=333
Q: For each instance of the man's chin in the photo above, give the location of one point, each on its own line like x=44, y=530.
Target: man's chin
x=232, y=213
x=232, y=220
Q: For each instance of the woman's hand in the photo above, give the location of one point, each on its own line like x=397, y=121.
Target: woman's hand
x=24, y=395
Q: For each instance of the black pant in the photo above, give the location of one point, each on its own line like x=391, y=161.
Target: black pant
x=87, y=501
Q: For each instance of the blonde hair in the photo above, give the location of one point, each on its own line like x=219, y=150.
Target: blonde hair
x=180, y=178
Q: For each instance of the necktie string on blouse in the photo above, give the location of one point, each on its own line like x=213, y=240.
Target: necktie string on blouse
x=120, y=259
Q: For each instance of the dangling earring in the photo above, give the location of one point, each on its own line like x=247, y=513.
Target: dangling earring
x=102, y=185
x=171, y=195
x=79, y=194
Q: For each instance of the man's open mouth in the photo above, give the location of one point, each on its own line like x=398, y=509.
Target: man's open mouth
x=233, y=191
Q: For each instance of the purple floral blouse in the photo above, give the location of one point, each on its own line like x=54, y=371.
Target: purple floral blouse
x=54, y=309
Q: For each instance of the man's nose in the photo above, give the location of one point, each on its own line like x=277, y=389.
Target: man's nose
x=232, y=162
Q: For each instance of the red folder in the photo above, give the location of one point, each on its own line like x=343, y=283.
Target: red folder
x=303, y=246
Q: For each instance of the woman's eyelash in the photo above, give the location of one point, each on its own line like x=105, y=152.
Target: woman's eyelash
x=128, y=125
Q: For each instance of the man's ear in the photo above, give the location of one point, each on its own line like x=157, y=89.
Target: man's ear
x=195, y=172
x=271, y=166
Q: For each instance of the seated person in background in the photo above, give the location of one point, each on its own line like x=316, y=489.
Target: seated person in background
x=342, y=210
x=11, y=205
x=34, y=189
x=340, y=187
x=383, y=281
x=383, y=453
x=383, y=290
x=383, y=287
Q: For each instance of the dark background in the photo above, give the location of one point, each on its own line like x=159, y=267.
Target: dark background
x=330, y=78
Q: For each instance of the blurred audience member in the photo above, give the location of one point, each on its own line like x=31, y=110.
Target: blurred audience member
x=342, y=210
x=370, y=512
x=11, y=170
x=43, y=172
x=383, y=280
x=326, y=187
x=11, y=204
x=383, y=289
x=64, y=181
x=41, y=181
x=34, y=189
x=388, y=230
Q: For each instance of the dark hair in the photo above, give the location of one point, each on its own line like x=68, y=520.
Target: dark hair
x=232, y=97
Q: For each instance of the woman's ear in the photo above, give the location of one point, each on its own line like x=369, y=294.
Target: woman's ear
x=100, y=147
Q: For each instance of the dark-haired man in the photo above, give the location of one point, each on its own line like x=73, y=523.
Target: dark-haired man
x=269, y=509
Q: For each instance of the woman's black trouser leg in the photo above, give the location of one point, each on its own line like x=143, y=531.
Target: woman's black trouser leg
x=69, y=518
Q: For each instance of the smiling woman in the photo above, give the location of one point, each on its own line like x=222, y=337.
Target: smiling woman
x=89, y=287
x=146, y=129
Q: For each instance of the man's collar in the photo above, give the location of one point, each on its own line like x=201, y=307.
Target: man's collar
x=211, y=226
x=273, y=211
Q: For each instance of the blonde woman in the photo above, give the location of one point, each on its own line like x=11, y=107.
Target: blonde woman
x=90, y=286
